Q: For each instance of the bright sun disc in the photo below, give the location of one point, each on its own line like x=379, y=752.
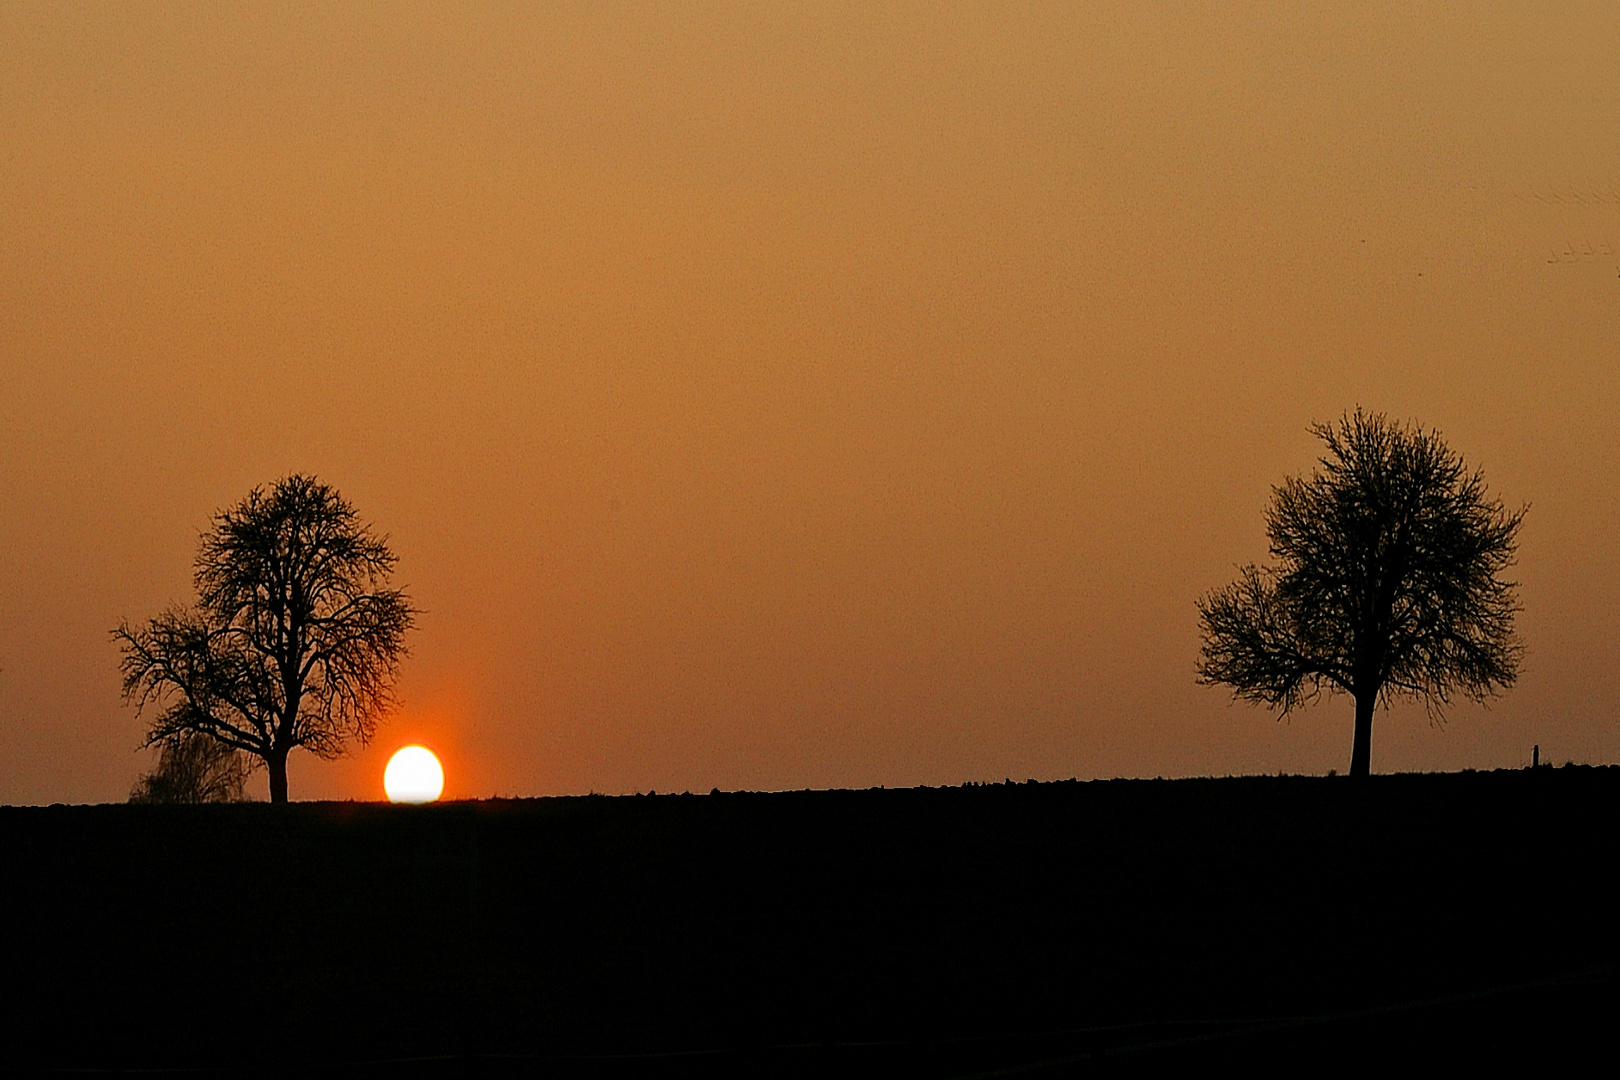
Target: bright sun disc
x=413, y=775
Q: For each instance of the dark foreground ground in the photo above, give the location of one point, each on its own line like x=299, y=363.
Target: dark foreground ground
x=1009, y=930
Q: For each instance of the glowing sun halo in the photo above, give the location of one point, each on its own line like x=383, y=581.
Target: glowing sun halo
x=413, y=775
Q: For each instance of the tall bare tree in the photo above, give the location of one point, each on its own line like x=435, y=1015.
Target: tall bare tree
x=295, y=640
x=1388, y=582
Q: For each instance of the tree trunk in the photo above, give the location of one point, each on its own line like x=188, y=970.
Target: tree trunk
x=1361, y=751
x=276, y=762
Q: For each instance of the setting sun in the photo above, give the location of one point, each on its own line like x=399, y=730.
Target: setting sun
x=413, y=775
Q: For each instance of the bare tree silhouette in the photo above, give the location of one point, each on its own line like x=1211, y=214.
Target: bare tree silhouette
x=194, y=768
x=294, y=640
x=1388, y=583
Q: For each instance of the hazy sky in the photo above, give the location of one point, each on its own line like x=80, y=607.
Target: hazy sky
x=779, y=395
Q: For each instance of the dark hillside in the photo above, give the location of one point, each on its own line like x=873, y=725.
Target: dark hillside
x=1461, y=918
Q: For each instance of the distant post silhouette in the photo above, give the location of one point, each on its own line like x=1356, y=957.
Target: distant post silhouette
x=295, y=639
x=1388, y=583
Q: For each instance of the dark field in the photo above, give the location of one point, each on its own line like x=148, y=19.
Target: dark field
x=1028, y=929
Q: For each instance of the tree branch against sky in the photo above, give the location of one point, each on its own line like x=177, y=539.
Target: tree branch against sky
x=1388, y=582
x=295, y=639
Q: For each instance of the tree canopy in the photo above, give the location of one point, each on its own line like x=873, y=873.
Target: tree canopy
x=295, y=638
x=1388, y=581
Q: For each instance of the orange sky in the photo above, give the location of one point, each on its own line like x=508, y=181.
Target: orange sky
x=857, y=394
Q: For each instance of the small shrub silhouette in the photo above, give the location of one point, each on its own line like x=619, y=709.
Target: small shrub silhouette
x=194, y=769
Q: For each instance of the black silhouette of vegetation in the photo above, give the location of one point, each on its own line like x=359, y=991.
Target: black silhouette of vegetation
x=295, y=639
x=194, y=768
x=1388, y=582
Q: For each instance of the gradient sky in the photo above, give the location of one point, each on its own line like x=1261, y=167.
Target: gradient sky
x=766, y=395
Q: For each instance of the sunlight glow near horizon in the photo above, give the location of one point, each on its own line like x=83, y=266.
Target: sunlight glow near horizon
x=413, y=775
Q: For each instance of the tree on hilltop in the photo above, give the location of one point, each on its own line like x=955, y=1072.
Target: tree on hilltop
x=1388, y=583
x=194, y=768
x=295, y=640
